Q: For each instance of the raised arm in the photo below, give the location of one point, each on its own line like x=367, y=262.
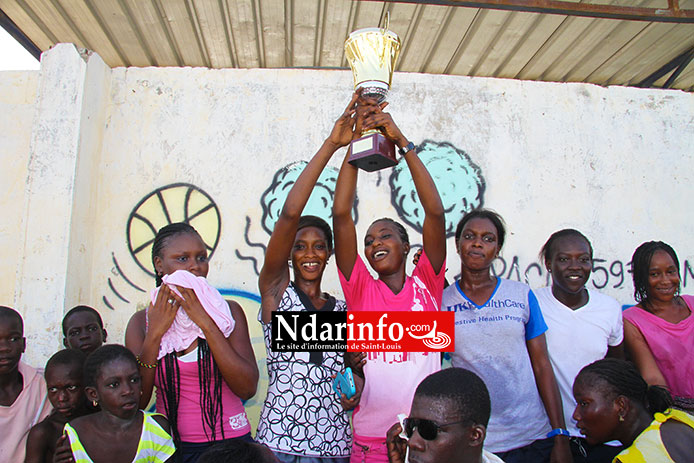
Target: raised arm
x=642, y=356
x=345, y=192
x=434, y=226
x=274, y=276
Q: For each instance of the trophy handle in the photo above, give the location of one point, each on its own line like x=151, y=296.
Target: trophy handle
x=385, y=27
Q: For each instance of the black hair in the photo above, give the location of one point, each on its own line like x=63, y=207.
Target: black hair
x=163, y=236
x=235, y=451
x=68, y=357
x=621, y=378
x=488, y=214
x=10, y=313
x=404, y=237
x=463, y=389
x=100, y=357
x=168, y=373
x=81, y=308
x=306, y=221
x=641, y=263
x=210, y=401
x=546, y=253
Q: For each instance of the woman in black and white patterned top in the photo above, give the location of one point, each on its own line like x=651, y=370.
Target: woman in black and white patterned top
x=302, y=420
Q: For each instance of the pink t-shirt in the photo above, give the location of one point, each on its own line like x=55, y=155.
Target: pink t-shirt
x=392, y=377
x=190, y=426
x=30, y=407
x=672, y=345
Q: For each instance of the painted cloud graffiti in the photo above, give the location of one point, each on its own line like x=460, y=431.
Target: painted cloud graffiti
x=458, y=179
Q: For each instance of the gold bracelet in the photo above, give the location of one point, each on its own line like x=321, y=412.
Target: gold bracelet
x=146, y=365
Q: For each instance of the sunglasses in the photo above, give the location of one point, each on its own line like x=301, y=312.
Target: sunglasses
x=426, y=428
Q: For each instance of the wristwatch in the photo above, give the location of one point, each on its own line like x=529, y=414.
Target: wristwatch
x=409, y=147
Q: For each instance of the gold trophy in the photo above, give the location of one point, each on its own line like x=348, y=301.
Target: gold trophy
x=372, y=54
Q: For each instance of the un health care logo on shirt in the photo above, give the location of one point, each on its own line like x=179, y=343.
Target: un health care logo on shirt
x=363, y=331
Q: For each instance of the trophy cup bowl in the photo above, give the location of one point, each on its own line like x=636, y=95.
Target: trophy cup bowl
x=372, y=54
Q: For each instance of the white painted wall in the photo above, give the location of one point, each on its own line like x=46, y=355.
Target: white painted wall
x=616, y=163
x=17, y=108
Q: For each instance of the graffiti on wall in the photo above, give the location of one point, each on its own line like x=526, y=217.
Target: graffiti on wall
x=178, y=202
x=458, y=179
x=272, y=200
x=605, y=274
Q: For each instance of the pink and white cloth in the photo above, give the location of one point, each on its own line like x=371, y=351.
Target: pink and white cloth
x=183, y=331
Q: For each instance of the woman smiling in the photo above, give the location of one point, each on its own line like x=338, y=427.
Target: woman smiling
x=582, y=326
x=659, y=330
x=499, y=335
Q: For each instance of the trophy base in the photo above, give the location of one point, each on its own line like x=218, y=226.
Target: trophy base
x=373, y=152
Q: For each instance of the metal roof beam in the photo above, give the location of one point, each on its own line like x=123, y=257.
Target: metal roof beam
x=19, y=36
x=680, y=68
x=682, y=61
x=672, y=14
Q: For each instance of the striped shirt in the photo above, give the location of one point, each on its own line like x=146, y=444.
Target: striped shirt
x=155, y=446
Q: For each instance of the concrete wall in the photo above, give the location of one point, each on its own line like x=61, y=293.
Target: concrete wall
x=113, y=151
x=17, y=108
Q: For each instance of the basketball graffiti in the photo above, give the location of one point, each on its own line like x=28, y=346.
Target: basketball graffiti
x=177, y=202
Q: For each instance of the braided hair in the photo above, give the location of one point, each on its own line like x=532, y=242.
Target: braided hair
x=168, y=372
x=162, y=239
x=620, y=377
x=100, y=357
x=641, y=262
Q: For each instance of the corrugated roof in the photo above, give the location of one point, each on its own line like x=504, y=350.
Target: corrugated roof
x=442, y=38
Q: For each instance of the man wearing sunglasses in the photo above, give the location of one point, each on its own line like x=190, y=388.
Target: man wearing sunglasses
x=447, y=423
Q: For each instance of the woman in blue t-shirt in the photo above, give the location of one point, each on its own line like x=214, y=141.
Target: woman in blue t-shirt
x=500, y=336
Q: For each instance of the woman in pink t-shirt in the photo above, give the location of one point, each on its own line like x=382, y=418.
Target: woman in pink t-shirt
x=390, y=377
x=659, y=330
x=199, y=388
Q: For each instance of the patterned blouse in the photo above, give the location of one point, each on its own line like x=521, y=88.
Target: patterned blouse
x=302, y=414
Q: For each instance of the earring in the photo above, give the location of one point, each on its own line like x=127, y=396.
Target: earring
x=95, y=403
x=621, y=418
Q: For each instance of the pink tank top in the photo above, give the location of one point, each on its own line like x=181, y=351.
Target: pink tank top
x=672, y=346
x=190, y=419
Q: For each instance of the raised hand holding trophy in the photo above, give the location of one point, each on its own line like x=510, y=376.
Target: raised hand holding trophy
x=372, y=54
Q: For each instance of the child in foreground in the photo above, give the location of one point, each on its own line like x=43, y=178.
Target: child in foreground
x=64, y=379
x=120, y=432
x=22, y=389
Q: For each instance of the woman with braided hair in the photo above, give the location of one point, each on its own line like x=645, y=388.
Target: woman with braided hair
x=200, y=358
x=615, y=403
x=659, y=329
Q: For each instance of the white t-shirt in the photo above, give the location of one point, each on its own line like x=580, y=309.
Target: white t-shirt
x=576, y=338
